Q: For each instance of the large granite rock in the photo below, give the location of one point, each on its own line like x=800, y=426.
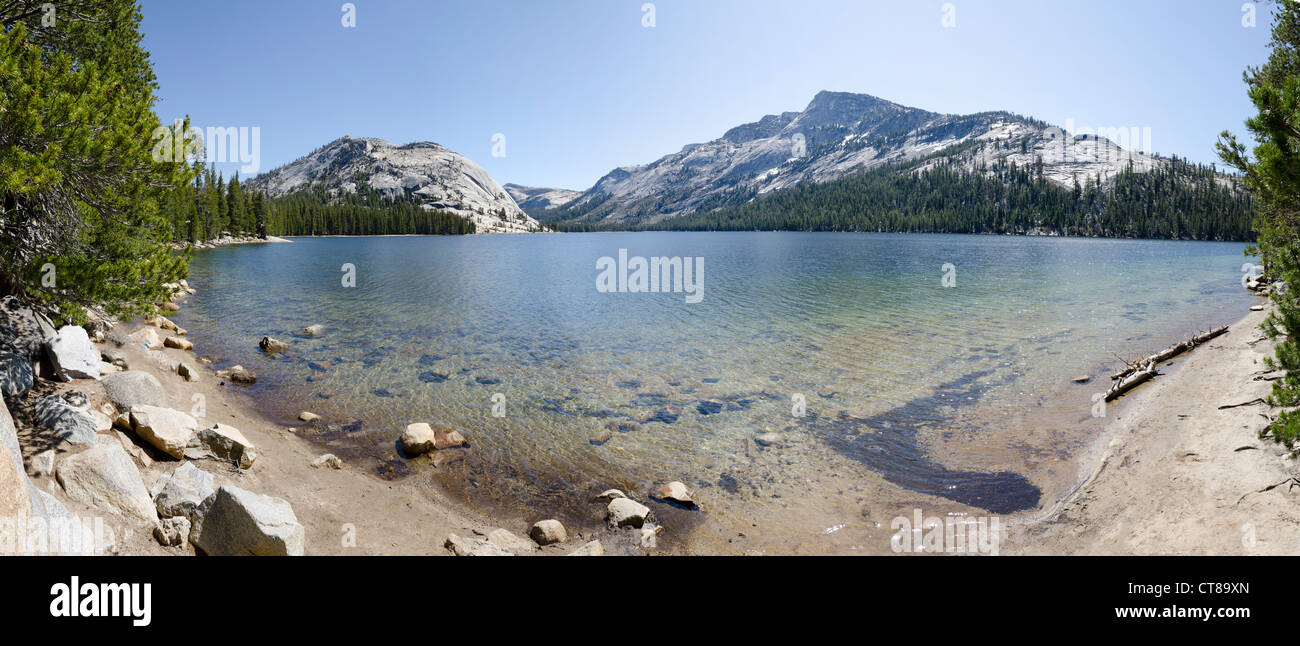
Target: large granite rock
x=16, y=376
x=72, y=354
x=22, y=329
x=549, y=531
x=69, y=423
x=170, y=431
x=19, y=498
x=133, y=388
x=235, y=522
x=181, y=493
x=105, y=477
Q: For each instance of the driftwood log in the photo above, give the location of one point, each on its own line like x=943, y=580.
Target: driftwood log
x=1144, y=369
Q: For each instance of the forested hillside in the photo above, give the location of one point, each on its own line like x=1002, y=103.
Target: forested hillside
x=939, y=194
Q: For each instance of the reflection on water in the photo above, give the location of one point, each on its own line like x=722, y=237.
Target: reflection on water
x=914, y=393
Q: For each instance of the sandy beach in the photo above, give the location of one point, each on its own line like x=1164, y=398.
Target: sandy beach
x=1176, y=473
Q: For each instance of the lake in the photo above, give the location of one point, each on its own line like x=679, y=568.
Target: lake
x=823, y=384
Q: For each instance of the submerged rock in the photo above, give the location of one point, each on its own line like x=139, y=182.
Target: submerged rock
x=236, y=522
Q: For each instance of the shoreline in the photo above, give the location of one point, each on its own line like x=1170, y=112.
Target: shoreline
x=1167, y=426
x=1173, y=473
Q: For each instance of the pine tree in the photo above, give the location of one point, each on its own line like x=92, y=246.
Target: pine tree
x=80, y=188
x=1272, y=169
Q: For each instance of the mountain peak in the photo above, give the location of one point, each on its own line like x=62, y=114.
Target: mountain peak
x=420, y=172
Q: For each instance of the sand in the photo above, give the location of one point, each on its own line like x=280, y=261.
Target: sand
x=1175, y=474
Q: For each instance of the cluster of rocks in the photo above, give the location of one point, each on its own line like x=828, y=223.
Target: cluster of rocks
x=622, y=514
x=106, y=445
x=1264, y=285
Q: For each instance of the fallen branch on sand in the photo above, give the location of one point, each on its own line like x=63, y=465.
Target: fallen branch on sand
x=1144, y=369
x=1292, y=481
x=1257, y=400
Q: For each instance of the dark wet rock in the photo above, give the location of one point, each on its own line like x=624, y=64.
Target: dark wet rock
x=487, y=381
x=729, y=483
x=668, y=414
x=709, y=407
x=238, y=375
x=382, y=392
x=600, y=437
x=767, y=439
x=272, y=346
x=621, y=427
x=317, y=367
x=431, y=377
x=825, y=395
x=710, y=380
x=632, y=383
x=429, y=359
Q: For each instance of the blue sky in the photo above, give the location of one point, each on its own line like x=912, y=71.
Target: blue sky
x=579, y=87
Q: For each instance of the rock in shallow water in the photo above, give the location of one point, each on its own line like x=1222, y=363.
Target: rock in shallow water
x=625, y=512
x=675, y=492
x=272, y=346
x=329, y=460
